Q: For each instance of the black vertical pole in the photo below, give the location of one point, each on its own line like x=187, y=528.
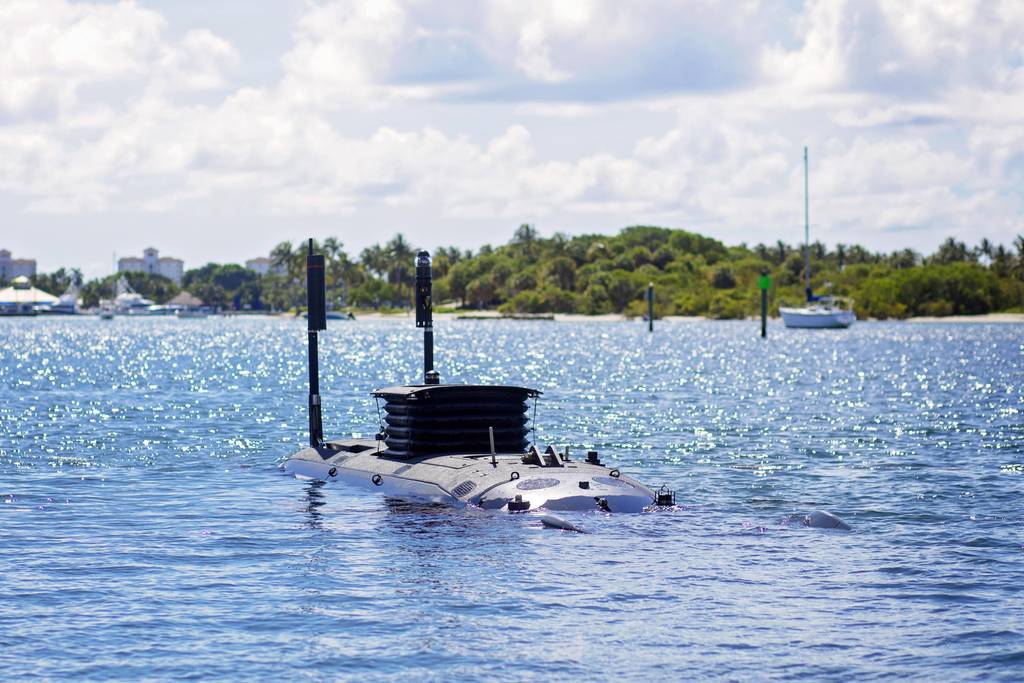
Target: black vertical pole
x=763, y=283
x=764, y=312
x=425, y=314
x=428, y=353
x=316, y=314
x=316, y=431
x=650, y=307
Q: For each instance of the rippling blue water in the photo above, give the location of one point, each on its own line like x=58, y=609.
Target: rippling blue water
x=146, y=531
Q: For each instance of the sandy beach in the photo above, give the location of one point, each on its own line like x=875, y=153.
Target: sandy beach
x=986, y=318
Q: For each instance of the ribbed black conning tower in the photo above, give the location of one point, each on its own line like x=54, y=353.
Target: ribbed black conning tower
x=454, y=419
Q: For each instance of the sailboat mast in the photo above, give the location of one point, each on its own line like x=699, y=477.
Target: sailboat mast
x=807, y=233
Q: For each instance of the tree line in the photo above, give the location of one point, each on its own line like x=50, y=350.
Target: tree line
x=595, y=274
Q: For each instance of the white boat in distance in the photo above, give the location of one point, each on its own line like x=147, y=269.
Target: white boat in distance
x=821, y=311
x=129, y=302
x=66, y=305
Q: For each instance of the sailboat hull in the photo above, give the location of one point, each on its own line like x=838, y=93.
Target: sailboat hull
x=817, y=318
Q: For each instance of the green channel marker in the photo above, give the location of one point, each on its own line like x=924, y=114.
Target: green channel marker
x=764, y=282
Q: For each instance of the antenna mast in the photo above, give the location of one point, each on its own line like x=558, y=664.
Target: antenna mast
x=316, y=313
x=425, y=315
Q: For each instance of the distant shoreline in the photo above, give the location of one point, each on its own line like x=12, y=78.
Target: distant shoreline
x=617, y=317
x=983, y=318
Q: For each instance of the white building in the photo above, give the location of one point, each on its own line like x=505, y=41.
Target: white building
x=11, y=268
x=264, y=266
x=152, y=263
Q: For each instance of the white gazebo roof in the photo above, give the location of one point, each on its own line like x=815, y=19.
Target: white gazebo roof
x=22, y=292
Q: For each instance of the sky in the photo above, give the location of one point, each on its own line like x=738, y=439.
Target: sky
x=214, y=130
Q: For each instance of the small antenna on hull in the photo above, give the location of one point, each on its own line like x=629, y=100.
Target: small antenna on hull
x=425, y=315
x=316, y=313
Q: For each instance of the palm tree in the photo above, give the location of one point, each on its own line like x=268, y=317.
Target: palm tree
x=1001, y=260
x=333, y=249
x=561, y=270
x=1018, y=244
x=781, y=251
x=374, y=260
x=818, y=251
x=337, y=266
x=905, y=258
x=283, y=256
x=952, y=251
x=986, y=247
x=858, y=254
x=452, y=254
x=400, y=255
x=525, y=237
x=841, y=256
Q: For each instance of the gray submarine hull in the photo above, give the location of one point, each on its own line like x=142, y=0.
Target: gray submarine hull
x=453, y=444
x=503, y=481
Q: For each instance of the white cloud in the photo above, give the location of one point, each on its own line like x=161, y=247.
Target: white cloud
x=342, y=50
x=199, y=63
x=531, y=32
x=904, y=48
x=534, y=55
x=510, y=111
x=52, y=50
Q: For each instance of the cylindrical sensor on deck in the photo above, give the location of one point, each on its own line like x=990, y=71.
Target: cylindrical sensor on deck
x=316, y=295
x=424, y=298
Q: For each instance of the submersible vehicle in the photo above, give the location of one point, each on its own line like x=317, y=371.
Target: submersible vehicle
x=455, y=444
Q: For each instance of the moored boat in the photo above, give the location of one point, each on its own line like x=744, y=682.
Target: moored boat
x=129, y=302
x=824, y=312
x=820, y=312
x=67, y=304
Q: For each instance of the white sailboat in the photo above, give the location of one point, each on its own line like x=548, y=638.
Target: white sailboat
x=819, y=311
x=826, y=312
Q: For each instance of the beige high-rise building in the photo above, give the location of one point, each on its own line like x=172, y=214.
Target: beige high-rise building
x=264, y=265
x=11, y=268
x=151, y=262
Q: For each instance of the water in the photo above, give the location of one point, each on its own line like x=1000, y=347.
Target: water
x=147, y=533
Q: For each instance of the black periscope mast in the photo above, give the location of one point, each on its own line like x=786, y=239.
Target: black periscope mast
x=455, y=444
